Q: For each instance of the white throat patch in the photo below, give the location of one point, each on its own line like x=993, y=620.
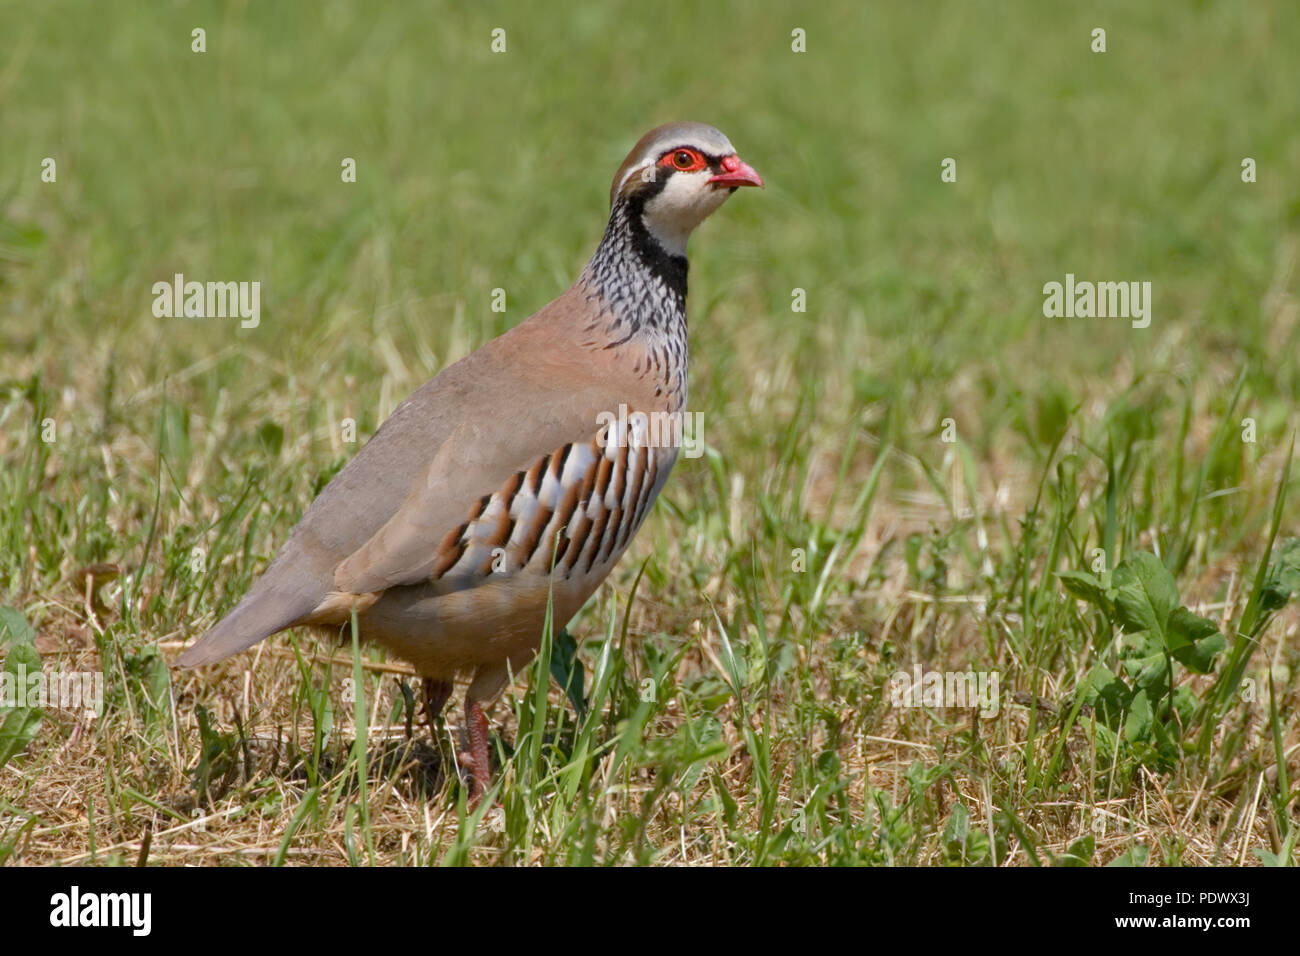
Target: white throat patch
x=685, y=201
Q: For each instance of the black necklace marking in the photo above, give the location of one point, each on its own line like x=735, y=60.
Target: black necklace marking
x=642, y=283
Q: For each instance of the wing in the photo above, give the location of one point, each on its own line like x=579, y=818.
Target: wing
x=451, y=504
x=596, y=488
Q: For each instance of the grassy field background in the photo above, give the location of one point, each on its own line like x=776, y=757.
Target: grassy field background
x=837, y=532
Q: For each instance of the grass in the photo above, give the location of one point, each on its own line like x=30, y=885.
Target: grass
x=918, y=469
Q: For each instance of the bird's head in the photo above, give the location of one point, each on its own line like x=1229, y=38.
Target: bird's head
x=675, y=176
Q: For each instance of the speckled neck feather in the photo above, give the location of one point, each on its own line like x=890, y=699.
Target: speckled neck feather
x=642, y=289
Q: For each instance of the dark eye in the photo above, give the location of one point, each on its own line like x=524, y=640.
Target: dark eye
x=682, y=159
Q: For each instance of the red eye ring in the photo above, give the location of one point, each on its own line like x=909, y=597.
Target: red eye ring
x=683, y=159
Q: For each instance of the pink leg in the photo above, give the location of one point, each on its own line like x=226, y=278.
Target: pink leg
x=476, y=759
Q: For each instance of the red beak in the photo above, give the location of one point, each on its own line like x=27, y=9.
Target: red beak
x=736, y=173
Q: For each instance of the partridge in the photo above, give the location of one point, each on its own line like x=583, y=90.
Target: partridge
x=521, y=471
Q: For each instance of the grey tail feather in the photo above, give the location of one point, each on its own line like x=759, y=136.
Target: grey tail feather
x=263, y=611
